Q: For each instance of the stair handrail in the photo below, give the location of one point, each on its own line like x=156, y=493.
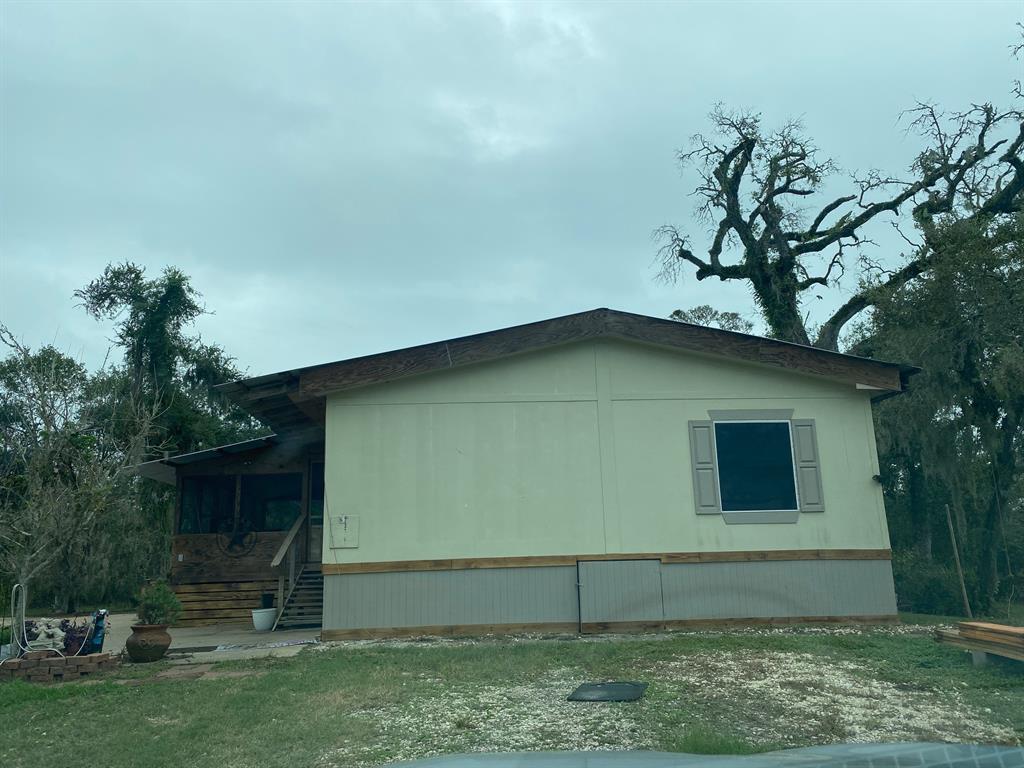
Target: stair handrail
x=289, y=539
x=287, y=577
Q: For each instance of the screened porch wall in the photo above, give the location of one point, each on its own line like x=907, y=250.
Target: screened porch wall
x=233, y=535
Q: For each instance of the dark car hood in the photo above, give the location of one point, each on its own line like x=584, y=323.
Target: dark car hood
x=919, y=755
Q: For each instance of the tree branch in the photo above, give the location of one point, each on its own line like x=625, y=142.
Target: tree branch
x=828, y=334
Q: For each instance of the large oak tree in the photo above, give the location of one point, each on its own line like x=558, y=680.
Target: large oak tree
x=762, y=195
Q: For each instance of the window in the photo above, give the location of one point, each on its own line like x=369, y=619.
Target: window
x=270, y=502
x=207, y=504
x=755, y=466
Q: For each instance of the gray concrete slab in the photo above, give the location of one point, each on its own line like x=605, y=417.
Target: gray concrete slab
x=217, y=642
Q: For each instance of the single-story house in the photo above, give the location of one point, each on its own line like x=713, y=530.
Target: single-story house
x=602, y=470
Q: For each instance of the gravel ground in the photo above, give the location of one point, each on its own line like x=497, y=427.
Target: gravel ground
x=774, y=698
x=791, y=698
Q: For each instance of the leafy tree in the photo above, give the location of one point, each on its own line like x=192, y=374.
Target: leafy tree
x=164, y=363
x=62, y=475
x=72, y=521
x=707, y=315
x=957, y=437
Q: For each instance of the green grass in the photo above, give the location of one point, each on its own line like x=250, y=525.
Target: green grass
x=364, y=705
x=701, y=740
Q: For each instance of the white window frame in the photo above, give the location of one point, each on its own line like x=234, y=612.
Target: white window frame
x=718, y=464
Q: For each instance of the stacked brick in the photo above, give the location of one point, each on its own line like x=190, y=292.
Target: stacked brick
x=48, y=667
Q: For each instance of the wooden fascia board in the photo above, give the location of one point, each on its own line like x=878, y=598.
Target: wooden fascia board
x=754, y=349
x=548, y=561
x=426, y=358
x=245, y=395
x=441, y=355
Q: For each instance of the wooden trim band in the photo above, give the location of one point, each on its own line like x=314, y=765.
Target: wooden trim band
x=774, y=621
x=456, y=630
x=542, y=561
x=477, y=630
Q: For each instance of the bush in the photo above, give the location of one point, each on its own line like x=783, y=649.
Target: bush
x=924, y=586
x=158, y=604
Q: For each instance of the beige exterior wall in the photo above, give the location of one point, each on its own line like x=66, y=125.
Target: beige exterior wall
x=582, y=449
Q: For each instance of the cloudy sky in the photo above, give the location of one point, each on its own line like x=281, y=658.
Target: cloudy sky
x=341, y=179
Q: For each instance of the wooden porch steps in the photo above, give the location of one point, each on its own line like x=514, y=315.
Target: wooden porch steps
x=223, y=602
x=305, y=607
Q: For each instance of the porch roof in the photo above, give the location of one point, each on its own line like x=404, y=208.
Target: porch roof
x=163, y=469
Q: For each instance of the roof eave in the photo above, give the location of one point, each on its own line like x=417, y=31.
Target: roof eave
x=312, y=382
x=165, y=470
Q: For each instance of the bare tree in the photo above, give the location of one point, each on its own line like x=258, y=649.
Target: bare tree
x=60, y=473
x=756, y=192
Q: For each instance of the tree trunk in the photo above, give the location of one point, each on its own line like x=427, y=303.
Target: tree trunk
x=988, y=574
x=781, y=309
x=920, y=519
x=1004, y=465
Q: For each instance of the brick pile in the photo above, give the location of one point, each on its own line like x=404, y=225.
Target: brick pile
x=48, y=667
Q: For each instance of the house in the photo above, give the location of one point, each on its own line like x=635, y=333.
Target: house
x=602, y=470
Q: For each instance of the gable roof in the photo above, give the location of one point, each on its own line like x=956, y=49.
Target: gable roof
x=295, y=399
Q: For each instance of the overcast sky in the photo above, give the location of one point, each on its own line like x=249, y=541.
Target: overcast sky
x=342, y=179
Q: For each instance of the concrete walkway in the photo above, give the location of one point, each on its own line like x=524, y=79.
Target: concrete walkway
x=218, y=642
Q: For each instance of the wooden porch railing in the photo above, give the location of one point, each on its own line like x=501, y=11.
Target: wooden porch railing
x=289, y=555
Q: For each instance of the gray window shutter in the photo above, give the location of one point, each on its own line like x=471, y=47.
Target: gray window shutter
x=808, y=466
x=702, y=459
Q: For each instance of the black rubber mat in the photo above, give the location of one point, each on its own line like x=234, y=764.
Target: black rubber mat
x=608, y=692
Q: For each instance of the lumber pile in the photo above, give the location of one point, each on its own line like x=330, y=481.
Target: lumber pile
x=228, y=602
x=998, y=639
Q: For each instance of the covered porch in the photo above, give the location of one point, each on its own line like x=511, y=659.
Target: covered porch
x=248, y=531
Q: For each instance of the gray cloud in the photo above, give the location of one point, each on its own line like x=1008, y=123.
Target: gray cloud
x=345, y=178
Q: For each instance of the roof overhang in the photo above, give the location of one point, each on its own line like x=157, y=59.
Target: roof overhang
x=163, y=470
x=295, y=399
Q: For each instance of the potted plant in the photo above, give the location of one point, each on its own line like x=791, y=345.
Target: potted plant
x=159, y=607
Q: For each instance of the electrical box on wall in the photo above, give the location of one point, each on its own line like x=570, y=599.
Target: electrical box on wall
x=344, y=531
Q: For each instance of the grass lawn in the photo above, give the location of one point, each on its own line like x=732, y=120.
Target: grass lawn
x=365, y=704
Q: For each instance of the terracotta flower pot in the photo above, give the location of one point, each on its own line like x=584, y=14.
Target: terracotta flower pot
x=148, y=642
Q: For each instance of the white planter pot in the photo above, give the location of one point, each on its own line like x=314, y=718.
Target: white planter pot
x=263, y=619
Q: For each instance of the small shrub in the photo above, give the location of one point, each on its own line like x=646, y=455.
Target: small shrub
x=924, y=586
x=158, y=604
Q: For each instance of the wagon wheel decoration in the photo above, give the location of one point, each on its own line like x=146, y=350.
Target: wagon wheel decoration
x=235, y=542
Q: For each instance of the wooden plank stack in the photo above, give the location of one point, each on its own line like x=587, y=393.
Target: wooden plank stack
x=998, y=639
x=221, y=602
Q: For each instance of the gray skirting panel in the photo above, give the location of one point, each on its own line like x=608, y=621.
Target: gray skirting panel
x=613, y=591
